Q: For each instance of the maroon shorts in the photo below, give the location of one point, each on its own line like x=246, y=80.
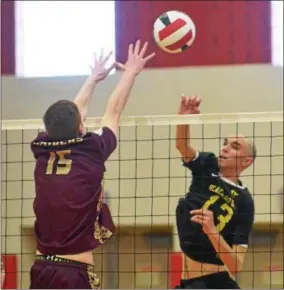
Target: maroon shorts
x=52, y=272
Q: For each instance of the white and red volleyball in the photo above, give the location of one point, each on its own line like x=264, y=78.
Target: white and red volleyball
x=174, y=31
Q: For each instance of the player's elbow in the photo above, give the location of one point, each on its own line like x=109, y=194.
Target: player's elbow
x=178, y=145
x=236, y=266
x=187, y=153
x=181, y=146
x=111, y=120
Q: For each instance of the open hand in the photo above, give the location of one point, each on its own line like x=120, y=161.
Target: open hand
x=98, y=69
x=136, y=60
x=205, y=218
x=189, y=105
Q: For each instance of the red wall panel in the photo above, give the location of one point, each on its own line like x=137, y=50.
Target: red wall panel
x=7, y=37
x=228, y=32
x=175, y=269
x=11, y=276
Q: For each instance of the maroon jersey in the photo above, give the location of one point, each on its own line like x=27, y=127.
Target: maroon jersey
x=70, y=214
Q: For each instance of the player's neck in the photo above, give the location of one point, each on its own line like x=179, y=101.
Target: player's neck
x=231, y=176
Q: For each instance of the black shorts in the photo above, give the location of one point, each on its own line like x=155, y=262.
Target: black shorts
x=51, y=272
x=221, y=280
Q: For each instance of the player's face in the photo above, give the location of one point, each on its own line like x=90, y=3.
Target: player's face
x=234, y=154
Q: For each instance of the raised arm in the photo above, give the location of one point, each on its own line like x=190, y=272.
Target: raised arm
x=188, y=105
x=99, y=73
x=134, y=65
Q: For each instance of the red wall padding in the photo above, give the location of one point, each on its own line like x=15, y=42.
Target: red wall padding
x=175, y=268
x=8, y=37
x=11, y=277
x=228, y=32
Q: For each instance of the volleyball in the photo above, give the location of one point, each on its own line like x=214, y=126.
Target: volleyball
x=174, y=31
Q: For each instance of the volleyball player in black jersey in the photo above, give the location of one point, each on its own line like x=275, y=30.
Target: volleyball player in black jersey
x=215, y=218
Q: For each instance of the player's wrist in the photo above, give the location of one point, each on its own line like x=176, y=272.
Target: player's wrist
x=93, y=80
x=129, y=75
x=213, y=232
x=132, y=72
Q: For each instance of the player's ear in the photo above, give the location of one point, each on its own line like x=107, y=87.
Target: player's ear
x=81, y=128
x=247, y=162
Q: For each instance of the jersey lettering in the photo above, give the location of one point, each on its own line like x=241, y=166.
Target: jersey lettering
x=62, y=164
x=223, y=219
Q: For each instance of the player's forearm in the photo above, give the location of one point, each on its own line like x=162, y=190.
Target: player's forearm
x=120, y=96
x=183, y=142
x=226, y=253
x=83, y=97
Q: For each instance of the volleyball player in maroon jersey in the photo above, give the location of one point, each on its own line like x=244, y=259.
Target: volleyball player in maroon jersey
x=71, y=217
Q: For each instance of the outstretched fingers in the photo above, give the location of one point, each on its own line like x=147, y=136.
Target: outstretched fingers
x=137, y=47
x=130, y=51
x=105, y=60
x=101, y=55
x=144, y=49
x=147, y=58
x=110, y=68
x=136, y=52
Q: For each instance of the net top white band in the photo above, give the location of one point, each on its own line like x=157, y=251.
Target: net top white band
x=162, y=120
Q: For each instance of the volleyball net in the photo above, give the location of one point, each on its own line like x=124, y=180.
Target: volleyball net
x=143, y=183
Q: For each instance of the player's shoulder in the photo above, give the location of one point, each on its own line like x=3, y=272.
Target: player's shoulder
x=246, y=198
x=203, y=157
x=41, y=137
x=102, y=132
x=206, y=159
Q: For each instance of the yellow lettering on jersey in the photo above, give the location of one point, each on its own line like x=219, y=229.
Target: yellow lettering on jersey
x=79, y=140
x=59, y=143
x=234, y=193
x=216, y=189
x=72, y=141
x=64, y=163
x=223, y=219
x=220, y=191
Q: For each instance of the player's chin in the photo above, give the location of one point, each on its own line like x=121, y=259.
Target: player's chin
x=225, y=163
x=222, y=162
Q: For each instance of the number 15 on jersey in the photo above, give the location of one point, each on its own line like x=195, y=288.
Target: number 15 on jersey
x=58, y=163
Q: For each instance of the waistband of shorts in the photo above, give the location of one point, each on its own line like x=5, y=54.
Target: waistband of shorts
x=59, y=260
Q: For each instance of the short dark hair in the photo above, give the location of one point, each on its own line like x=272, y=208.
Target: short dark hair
x=62, y=120
x=253, y=150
